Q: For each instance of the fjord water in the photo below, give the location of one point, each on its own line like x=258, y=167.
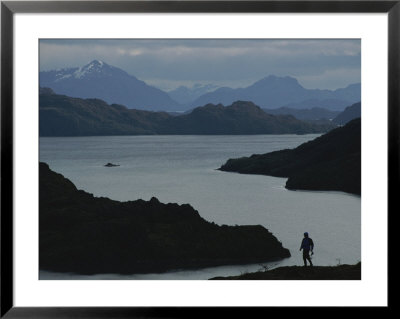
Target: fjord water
x=182, y=169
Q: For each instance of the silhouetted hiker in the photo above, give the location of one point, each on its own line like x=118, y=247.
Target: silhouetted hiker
x=307, y=245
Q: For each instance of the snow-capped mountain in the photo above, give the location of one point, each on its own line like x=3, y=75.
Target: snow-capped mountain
x=98, y=79
x=94, y=69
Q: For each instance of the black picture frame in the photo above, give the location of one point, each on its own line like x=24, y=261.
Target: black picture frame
x=9, y=8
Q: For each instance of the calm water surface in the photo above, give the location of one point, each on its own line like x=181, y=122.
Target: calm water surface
x=182, y=169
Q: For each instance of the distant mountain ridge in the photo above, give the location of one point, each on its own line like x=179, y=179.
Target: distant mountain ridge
x=274, y=92
x=186, y=95
x=60, y=115
x=100, y=80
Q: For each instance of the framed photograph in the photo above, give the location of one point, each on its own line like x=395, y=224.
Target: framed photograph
x=168, y=158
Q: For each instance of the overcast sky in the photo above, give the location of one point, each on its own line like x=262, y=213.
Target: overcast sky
x=167, y=64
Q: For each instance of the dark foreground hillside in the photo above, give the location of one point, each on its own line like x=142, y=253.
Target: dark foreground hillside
x=84, y=234
x=330, y=162
x=340, y=272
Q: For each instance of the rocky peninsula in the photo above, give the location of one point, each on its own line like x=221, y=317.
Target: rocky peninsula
x=84, y=234
x=331, y=162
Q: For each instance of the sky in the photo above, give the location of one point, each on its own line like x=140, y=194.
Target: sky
x=170, y=63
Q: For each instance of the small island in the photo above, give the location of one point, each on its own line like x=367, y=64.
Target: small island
x=111, y=165
x=331, y=162
x=83, y=234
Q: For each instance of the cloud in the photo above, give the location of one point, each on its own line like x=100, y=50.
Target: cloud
x=316, y=63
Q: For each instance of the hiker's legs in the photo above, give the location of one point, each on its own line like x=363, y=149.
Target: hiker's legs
x=309, y=260
x=305, y=257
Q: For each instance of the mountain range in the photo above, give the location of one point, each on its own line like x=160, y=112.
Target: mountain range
x=60, y=115
x=100, y=80
x=274, y=92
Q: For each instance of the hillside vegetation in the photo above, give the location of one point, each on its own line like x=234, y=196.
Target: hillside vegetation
x=60, y=115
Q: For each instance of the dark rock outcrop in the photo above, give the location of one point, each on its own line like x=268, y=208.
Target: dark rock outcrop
x=330, y=162
x=84, y=234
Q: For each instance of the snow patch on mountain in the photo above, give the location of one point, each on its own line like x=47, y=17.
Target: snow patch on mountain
x=95, y=66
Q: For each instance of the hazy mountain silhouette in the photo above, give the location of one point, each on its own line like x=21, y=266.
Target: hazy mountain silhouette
x=185, y=95
x=274, y=92
x=99, y=80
